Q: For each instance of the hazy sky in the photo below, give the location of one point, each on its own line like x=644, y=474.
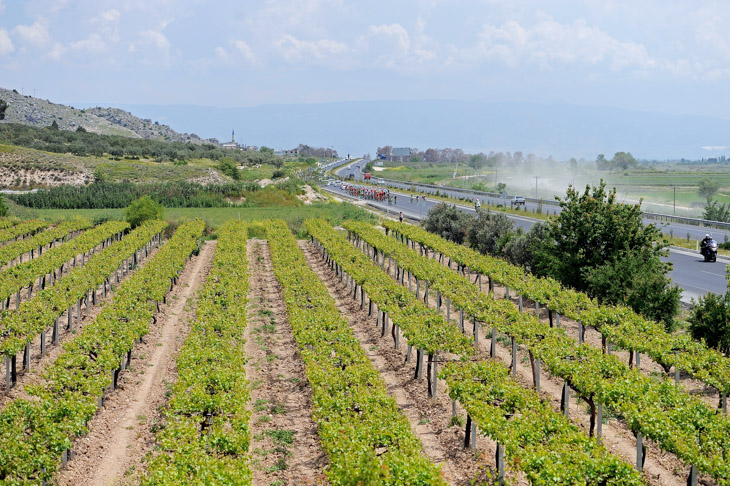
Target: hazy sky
x=665, y=55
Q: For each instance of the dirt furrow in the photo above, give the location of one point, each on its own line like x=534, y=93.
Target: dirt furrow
x=122, y=432
x=285, y=445
x=441, y=435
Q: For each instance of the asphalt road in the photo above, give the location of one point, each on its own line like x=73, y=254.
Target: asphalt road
x=693, y=276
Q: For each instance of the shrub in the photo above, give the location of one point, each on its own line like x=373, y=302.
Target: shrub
x=144, y=209
x=448, y=222
x=710, y=321
x=488, y=232
x=227, y=166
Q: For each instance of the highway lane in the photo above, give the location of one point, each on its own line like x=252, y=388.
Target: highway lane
x=689, y=272
x=695, y=277
x=676, y=229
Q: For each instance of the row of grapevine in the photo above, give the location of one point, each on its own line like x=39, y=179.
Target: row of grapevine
x=17, y=249
x=542, y=443
x=8, y=222
x=205, y=438
x=18, y=277
x=21, y=229
x=36, y=433
x=666, y=413
x=34, y=316
x=424, y=328
x=618, y=324
x=367, y=439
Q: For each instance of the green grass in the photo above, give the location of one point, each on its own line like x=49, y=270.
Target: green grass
x=294, y=216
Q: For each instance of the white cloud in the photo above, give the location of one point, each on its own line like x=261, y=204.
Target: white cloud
x=94, y=43
x=6, y=45
x=295, y=49
x=157, y=39
x=108, y=23
x=221, y=53
x=244, y=49
x=392, y=46
x=56, y=51
x=549, y=43
x=35, y=35
x=391, y=38
x=151, y=39
x=154, y=48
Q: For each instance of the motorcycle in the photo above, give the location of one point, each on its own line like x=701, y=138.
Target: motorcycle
x=709, y=251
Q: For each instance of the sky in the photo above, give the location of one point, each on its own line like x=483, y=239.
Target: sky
x=669, y=56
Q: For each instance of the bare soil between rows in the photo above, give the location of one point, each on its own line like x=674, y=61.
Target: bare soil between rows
x=122, y=432
x=285, y=446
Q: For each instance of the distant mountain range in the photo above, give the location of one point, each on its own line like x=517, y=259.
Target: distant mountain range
x=37, y=112
x=562, y=131
x=359, y=127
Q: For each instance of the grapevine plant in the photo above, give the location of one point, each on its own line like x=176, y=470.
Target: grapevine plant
x=540, y=442
x=666, y=413
x=205, y=438
x=34, y=432
x=367, y=438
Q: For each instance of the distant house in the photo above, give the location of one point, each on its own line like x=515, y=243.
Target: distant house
x=401, y=153
x=287, y=153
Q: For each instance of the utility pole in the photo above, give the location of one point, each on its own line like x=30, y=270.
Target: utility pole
x=536, y=178
x=675, y=199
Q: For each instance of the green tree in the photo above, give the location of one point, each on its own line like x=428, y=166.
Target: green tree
x=501, y=187
x=623, y=161
x=642, y=285
x=489, y=231
x=521, y=248
x=54, y=126
x=602, y=163
x=227, y=166
x=3, y=107
x=448, y=222
x=477, y=161
x=3, y=207
x=715, y=211
x=710, y=320
x=602, y=247
x=144, y=209
x=707, y=188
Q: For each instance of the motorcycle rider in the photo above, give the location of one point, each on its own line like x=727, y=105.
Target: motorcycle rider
x=706, y=248
x=706, y=242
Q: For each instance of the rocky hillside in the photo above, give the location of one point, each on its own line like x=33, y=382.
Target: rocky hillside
x=107, y=121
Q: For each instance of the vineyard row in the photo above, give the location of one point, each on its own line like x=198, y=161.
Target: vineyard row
x=542, y=443
x=661, y=411
x=37, y=433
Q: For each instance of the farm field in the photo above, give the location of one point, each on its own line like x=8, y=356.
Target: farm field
x=346, y=357
x=215, y=217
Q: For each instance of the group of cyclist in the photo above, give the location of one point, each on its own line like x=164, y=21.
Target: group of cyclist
x=372, y=193
x=379, y=194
